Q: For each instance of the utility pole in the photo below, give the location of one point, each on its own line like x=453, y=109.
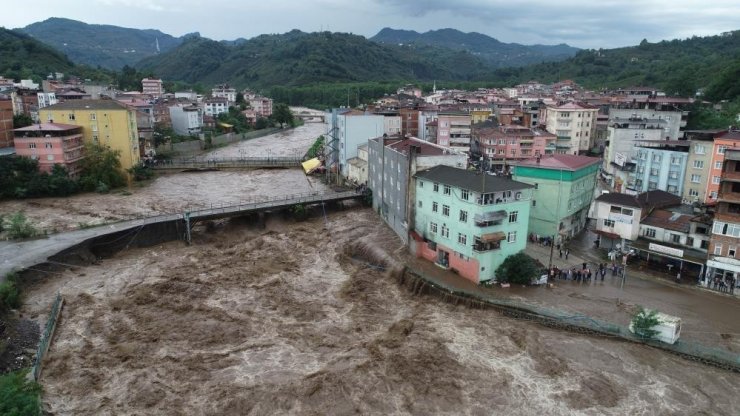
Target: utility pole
x=557, y=221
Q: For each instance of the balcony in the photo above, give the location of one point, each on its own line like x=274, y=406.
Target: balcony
x=733, y=197
x=488, y=242
x=563, y=137
x=490, y=218
x=730, y=176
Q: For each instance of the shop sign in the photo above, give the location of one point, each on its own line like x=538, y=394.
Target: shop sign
x=665, y=250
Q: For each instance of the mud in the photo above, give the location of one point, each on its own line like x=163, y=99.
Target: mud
x=303, y=318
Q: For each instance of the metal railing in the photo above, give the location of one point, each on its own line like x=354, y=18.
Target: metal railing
x=258, y=161
x=47, y=336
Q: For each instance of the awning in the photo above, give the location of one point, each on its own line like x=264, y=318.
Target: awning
x=493, y=237
x=311, y=165
x=607, y=234
x=225, y=125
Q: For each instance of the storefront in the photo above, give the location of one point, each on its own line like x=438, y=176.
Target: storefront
x=721, y=276
x=670, y=260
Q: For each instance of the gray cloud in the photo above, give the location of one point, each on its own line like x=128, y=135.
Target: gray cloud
x=606, y=23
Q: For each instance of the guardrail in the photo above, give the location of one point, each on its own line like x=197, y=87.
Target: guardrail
x=46, y=337
x=192, y=163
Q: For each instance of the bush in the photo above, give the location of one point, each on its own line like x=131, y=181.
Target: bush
x=101, y=165
x=18, y=396
x=643, y=323
x=20, y=227
x=517, y=268
x=9, y=294
x=2, y=223
x=141, y=172
x=299, y=212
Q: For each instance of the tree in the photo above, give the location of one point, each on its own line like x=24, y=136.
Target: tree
x=101, y=168
x=21, y=120
x=643, y=323
x=18, y=396
x=517, y=268
x=282, y=114
x=240, y=98
x=20, y=227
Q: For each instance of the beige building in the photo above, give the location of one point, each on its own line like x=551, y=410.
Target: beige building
x=697, y=166
x=574, y=124
x=152, y=87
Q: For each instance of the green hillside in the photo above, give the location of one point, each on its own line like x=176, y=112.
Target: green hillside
x=679, y=67
x=492, y=51
x=107, y=46
x=297, y=58
x=22, y=57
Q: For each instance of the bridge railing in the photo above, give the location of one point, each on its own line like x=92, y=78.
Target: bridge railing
x=268, y=201
x=232, y=161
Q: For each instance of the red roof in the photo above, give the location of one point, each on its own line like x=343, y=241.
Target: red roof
x=425, y=149
x=48, y=127
x=564, y=162
x=575, y=106
x=729, y=135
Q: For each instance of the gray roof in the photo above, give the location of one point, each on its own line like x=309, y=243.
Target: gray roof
x=649, y=199
x=470, y=180
x=620, y=199
x=88, y=105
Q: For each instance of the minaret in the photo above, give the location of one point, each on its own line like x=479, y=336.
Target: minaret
x=434, y=87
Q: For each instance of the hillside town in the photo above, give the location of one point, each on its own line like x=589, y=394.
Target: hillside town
x=296, y=234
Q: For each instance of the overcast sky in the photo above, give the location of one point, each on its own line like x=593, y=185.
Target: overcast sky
x=585, y=24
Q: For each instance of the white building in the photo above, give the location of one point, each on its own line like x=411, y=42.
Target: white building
x=672, y=124
x=215, y=106
x=46, y=99
x=617, y=216
x=357, y=166
x=186, y=120
x=152, y=87
x=392, y=125
x=574, y=124
x=224, y=91
x=346, y=131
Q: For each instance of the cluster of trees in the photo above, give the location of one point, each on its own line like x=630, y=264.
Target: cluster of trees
x=101, y=171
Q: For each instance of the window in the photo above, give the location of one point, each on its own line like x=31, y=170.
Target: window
x=721, y=150
x=447, y=190
x=718, y=249
x=693, y=192
x=676, y=238
x=699, y=149
x=609, y=223
x=71, y=116
x=731, y=251
x=464, y=194
x=650, y=233
x=656, y=158
x=690, y=241
x=626, y=211
x=718, y=165
x=433, y=227
x=31, y=145
x=534, y=203
x=419, y=204
x=695, y=178
x=436, y=187
x=724, y=228
x=654, y=172
x=713, y=195
x=511, y=237
x=698, y=164
x=716, y=180
x=675, y=160
x=434, y=206
x=536, y=185
x=462, y=238
x=446, y=210
x=672, y=189
x=673, y=175
x=463, y=216
x=445, y=231
x=421, y=183
x=49, y=157
x=513, y=216
x=47, y=145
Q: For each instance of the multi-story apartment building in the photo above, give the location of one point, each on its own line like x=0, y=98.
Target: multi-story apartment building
x=727, y=139
x=467, y=221
x=224, y=91
x=152, y=87
x=574, y=125
x=46, y=99
x=564, y=186
x=659, y=165
x=724, y=261
x=107, y=122
x=409, y=122
x=346, y=130
x=6, y=121
x=262, y=105
x=51, y=144
x=619, y=157
x=672, y=123
x=215, y=106
x=187, y=120
x=503, y=144
x=390, y=169
x=700, y=157
x=453, y=131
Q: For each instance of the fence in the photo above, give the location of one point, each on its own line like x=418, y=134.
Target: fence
x=420, y=283
x=48, y=334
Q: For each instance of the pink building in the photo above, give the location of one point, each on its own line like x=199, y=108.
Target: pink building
x=453, y=131
x=262, y=106
x=51, y=144
x=512, y=142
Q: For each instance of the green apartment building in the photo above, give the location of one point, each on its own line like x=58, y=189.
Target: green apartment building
x=564, y=187
x=469, y=222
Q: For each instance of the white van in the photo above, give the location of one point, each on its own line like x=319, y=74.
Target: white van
x=669, y=328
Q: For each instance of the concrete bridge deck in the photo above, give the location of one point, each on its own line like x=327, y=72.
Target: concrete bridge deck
x=230, y=163
x=19, y=255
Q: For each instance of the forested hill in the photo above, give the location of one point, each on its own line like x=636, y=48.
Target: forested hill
x=297, y=58
x=22, y=57
x=679, y=67
x=108, y=46
x=494, y=52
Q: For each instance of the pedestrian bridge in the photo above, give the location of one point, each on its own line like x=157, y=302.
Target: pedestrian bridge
x=310, y=117
x=229, y=163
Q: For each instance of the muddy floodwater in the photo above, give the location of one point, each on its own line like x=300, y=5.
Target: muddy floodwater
x=177, y=192
x=289, y=318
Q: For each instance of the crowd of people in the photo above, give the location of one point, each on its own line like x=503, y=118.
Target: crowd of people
x=584, y=273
